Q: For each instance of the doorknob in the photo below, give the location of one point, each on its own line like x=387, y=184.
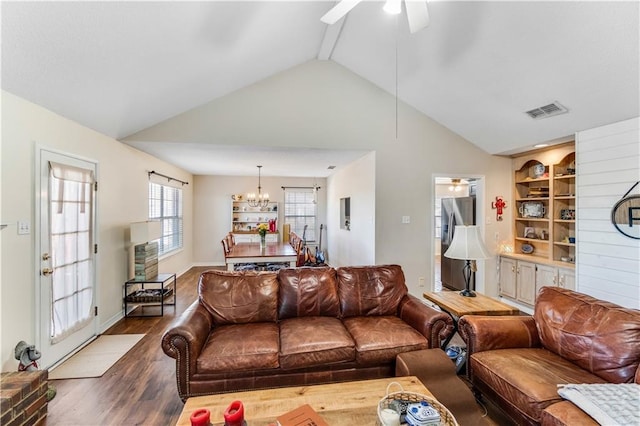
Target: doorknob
x=47, y=271
x=46, y=256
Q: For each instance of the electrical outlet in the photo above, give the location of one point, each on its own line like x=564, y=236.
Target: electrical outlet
x=23, y=227
x=421, y=282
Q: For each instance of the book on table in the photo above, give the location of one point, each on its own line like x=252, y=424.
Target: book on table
x=304, y=415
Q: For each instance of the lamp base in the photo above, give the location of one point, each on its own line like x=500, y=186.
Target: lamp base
x=467, y=293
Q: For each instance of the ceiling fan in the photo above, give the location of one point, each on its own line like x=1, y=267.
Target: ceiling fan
x=417, y=13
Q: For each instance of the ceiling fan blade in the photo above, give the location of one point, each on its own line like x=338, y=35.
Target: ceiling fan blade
x=338, y=11
x=417, y=14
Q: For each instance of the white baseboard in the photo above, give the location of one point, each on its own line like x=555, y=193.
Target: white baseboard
x=111, y=322
x=208, y=264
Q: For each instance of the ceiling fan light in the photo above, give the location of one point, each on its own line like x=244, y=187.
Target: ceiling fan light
x=393, y=7
x=417, y=14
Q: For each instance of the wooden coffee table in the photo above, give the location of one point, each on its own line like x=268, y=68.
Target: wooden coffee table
x=457, y=305
x=348, y=403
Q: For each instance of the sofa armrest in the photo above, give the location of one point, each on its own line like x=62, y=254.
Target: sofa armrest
x=483, y=333
x=432, y=324
x=184, y=341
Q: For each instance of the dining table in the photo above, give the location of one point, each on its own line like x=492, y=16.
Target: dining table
x=272, y=252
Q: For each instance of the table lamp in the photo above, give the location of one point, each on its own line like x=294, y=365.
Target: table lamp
x=468, y=246
x=143, y=232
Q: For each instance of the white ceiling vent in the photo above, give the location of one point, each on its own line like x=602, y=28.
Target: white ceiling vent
x=547, y=111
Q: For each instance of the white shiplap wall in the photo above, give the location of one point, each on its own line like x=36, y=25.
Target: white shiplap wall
x=608, y=164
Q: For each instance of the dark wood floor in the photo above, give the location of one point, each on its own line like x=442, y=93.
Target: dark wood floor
x=140, y=389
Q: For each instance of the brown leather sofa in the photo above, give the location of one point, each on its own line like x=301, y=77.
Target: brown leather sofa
x=519, y=361
x=299, y=326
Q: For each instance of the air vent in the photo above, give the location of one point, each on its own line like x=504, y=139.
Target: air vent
x=331, y=167
x=547, y=111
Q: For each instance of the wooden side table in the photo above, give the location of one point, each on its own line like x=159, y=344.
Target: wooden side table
x=457, y=305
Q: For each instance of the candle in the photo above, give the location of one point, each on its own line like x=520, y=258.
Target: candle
x=390, y=417
x=234, y=414
x=200, y=417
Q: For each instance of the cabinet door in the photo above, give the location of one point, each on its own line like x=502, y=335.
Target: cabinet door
x=546, y=276
x=271, y=238
x=507, y=277
x=567, y=279
x=526, y=282
x=242, y=238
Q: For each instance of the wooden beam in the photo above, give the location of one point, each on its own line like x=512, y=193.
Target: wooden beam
x=331, y=36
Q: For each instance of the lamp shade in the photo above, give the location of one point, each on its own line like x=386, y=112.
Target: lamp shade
x=143, y=232
x=467, y=244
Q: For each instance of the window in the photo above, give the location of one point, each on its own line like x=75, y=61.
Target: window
x=165, y=204
x=71, y=235
x=300, y=210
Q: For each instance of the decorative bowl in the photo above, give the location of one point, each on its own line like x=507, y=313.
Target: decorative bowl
x=527, y=248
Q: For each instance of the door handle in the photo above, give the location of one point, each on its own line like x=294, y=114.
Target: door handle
x=46, y=256
x=46, y=271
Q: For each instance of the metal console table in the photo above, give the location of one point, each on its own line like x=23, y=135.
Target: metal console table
x=149, y=294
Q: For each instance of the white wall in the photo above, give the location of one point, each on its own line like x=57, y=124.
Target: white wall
x=320, y=104
x=212, y=209
x=122, y=198
x=355, y=246
x=405, y=169
x=607, y=165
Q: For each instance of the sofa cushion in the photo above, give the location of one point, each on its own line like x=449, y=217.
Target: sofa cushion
x=311, y=341
x=239, y=347
x=599, y=336
x=565, y=413
x=380, y=338
x=528, y=378
x=239, y=297
x=308, y=291
x=370, y=290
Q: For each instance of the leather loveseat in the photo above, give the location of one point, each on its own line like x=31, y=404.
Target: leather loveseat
x=519, y=361
x=299, y=326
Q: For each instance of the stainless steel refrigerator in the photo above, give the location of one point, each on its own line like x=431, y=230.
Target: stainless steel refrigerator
x=455, y=211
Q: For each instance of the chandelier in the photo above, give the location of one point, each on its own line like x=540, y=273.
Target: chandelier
x=261, y=200
x=455, y=185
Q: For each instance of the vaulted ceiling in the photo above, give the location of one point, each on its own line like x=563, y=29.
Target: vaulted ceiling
x=121, y=67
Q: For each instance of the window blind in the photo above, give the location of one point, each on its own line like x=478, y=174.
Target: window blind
x=165, y=205
x=300, y=209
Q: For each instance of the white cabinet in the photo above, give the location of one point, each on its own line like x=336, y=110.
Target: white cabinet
x=546, y=276
x=245, y=220
x=567, y=278
x=518, y=280
x=508, y=277
x=526, y=282
x=521, y=280
x=254, y=238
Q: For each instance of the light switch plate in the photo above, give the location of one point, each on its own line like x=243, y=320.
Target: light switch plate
x=23, y=227
x=406, y=219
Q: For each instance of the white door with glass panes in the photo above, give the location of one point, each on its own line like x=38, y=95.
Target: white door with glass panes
x=66, y=285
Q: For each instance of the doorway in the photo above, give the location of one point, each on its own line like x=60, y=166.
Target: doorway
x=457, y=200
x=65, y=254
